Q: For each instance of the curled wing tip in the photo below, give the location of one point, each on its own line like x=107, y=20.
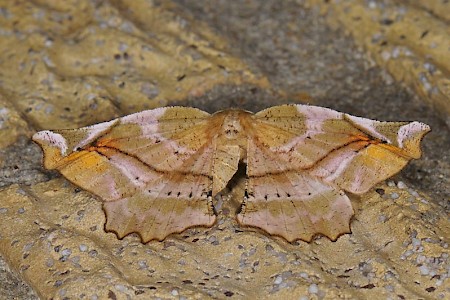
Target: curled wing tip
x=53, y=145
x=414, y=130
x=40, y=135
x=410, y=136
x=420, y=126
x=47, y=137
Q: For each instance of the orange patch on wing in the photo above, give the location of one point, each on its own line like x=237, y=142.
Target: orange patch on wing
x=393, y=149
x=87, y=159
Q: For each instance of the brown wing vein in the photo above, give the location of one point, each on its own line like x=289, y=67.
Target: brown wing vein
x=148, y=165
x=318, y=161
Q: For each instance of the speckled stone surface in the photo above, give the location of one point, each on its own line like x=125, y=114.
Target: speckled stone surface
x=410, y=41
x=74, y=63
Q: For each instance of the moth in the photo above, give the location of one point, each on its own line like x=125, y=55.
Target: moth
x=157, y=171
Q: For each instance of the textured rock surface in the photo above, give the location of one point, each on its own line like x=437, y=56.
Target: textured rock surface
x=410, y=41
x=74, y=63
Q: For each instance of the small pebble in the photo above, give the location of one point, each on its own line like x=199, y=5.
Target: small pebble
x=213, y=240
x=278, y=280
x=416, y=242
x=303, y=275
x=424, y=270
x=120, y=288
x=401, y=185
x=395, y=52
x=420, y=259
x=389, y=288
x=394, y=196
x=142, y=264
x=385, y=55
x=313, y=289
x=49, y=262
x=66, y=252
x=414, y=193
x=408, y=253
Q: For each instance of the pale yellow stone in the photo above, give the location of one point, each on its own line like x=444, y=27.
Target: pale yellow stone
x=49, y=217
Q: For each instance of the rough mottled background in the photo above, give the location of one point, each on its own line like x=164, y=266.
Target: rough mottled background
x=73, y=63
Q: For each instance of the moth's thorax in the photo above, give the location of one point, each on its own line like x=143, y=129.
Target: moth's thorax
x=230, y=124
x=233, y=129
